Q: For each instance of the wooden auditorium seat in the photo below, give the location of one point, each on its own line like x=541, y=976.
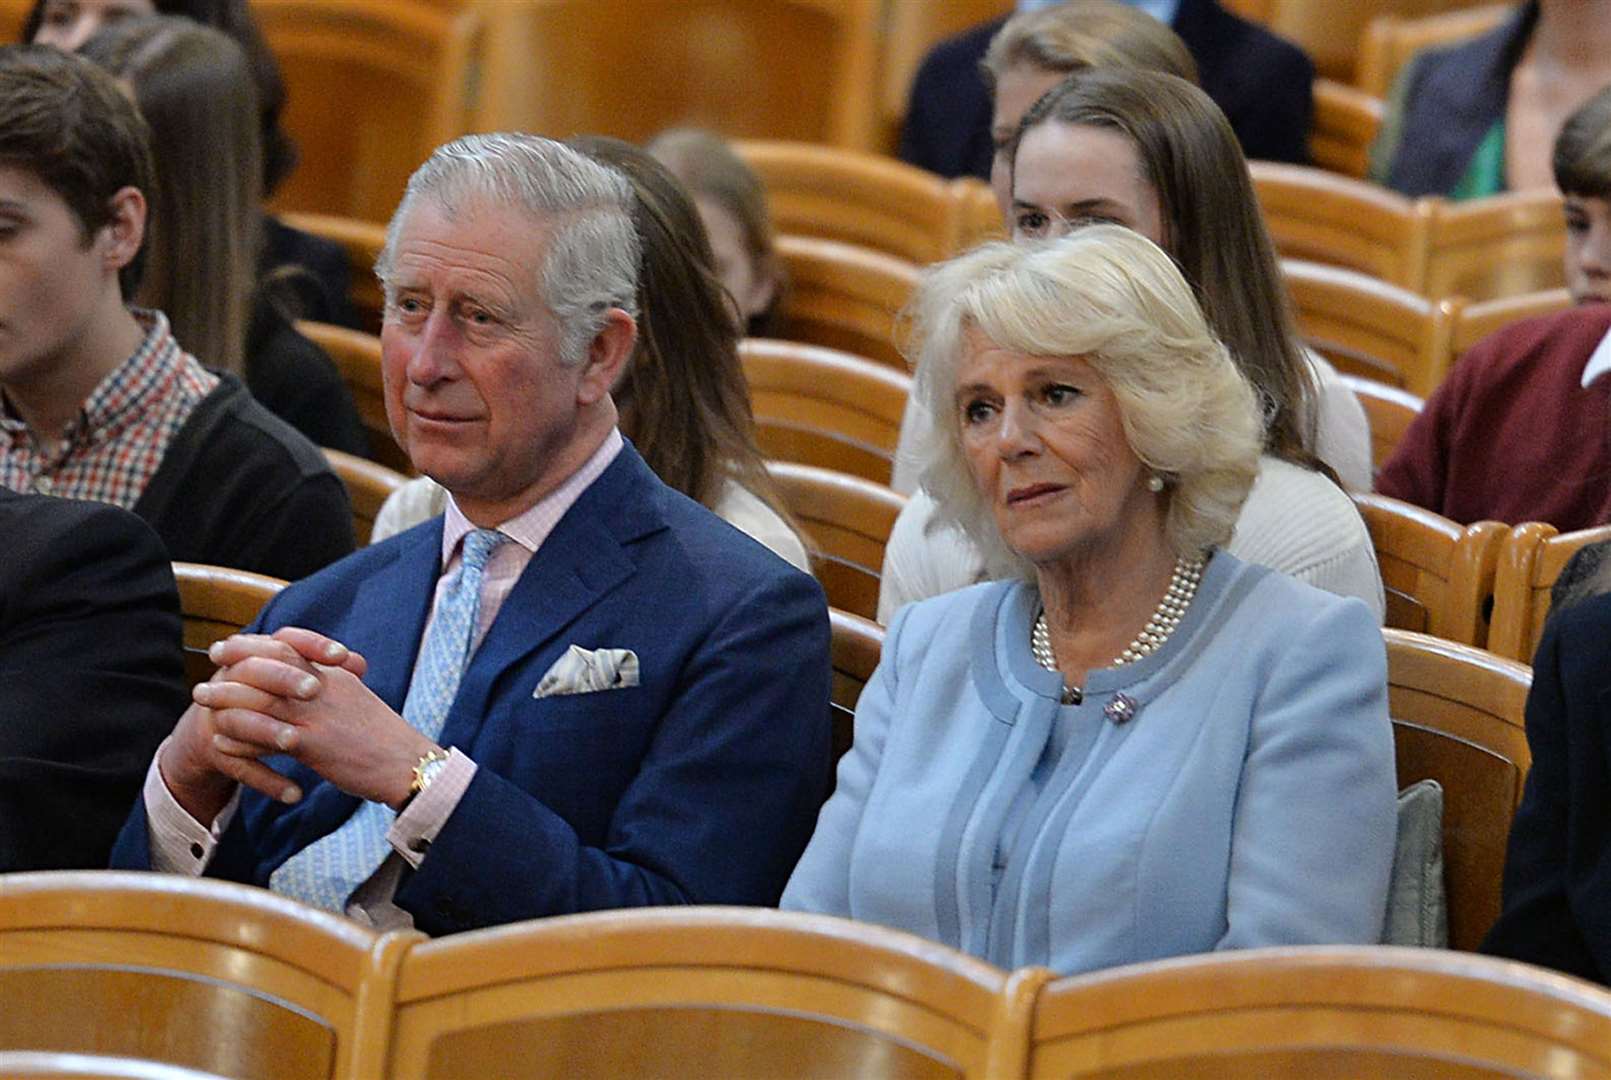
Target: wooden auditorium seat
x=843, y=296
x=1391, y=39
x=368, y=486
x=56, y=1065
x=1533, y=556
x=357, y=356
x=857, y=643
x=702, y=992
x=1389, y=412
x=1368, y=327
x=1345, y=124
x=195, y=972
x=1323, y=1012
x=1498, y=246
x=362, y=242
x=372, y=87
x=1438, y=574
x=1337, y=220
x=1473, y=322
x=819, y=406
x=779, y=69
x=216, y=602
x=978, y=216
x=847, y=522
x=1459, y=718
x=855, y=196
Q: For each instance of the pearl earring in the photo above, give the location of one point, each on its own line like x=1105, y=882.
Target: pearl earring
x=1155, y=483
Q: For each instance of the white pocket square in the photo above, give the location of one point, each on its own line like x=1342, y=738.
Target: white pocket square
x=582, y=671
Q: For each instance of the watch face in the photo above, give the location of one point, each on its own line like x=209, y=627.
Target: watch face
x=426, y=771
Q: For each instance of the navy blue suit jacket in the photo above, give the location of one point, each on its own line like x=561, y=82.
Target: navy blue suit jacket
x=700, y=785
x=1263, y=83
x=1557, y=910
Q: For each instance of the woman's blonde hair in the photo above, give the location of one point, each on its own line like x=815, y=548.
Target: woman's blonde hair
x=1113, y=298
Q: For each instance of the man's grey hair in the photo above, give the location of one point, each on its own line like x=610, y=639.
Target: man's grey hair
x=593, y=255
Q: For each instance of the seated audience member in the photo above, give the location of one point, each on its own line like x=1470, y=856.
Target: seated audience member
x=608, y=696
x=195, y=91
x=731, y=201
x=1152, y=153
x=1263, y=83
x=1557, y=906
x=1141, y=746
x=91, y=675
x=1478, y=117
x=315, y=269
x=97, y=400
x=682, y=397
x=1518, y=430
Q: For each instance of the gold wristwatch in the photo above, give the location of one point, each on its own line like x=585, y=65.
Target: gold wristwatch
x=426, y=769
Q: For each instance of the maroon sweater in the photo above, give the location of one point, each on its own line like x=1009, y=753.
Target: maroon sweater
x=1511, y=434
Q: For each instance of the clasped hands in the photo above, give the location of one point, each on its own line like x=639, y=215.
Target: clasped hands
x=295, y=692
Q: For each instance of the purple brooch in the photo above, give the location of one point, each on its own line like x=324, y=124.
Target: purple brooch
x=1121, y=710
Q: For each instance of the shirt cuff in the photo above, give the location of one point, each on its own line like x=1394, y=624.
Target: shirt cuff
x=415, y=829
x=179, y=843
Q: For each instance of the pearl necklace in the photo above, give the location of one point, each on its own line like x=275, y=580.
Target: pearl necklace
x=1165, y=618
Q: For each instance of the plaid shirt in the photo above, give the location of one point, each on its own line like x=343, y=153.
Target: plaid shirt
x=111, y=450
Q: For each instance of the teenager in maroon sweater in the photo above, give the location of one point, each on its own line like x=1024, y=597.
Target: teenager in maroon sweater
x=1512, y=434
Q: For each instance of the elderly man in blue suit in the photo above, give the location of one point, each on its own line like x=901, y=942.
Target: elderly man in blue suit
x=575, y=690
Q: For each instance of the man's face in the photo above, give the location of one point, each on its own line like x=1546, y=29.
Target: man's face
x=53, y=285
x=475, y=391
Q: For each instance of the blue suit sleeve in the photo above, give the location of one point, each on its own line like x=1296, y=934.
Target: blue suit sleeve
x=1314, y=828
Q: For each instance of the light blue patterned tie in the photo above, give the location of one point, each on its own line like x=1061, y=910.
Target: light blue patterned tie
x=326, y=872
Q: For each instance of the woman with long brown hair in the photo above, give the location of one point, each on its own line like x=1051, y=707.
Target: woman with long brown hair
x=683, y=401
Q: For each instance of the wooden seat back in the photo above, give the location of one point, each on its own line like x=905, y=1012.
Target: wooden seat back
x=857, y=643
x=703, y=992
x=803, y=70
x=194, y=972
x=1322, y=1012
x=357, y=357
x=1438, y=575
x=1502, y=245
x=1339, y=221
x=1459, y=718
x=1389, y=411
x=368, y=487
x=1530, y=562
x=978, y=216
x=1368, y=327
x=1346, y=121
x=843, y=296
x=1476, y=321
x=372, y=87
x=216, y=602
x=855, y=196
x=847, y=522
x=823, y=407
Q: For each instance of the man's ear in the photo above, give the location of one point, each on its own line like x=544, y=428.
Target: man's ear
x=125, y=232
x=607, y=356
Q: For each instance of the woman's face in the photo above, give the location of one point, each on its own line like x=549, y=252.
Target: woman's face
x=1588, y=249
x=1046, y=446
x=1067, y=175
x=67, y=24
x=1019, y=87
x=750, y=286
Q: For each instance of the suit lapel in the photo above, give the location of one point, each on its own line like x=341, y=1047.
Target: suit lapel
x=586, y=557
